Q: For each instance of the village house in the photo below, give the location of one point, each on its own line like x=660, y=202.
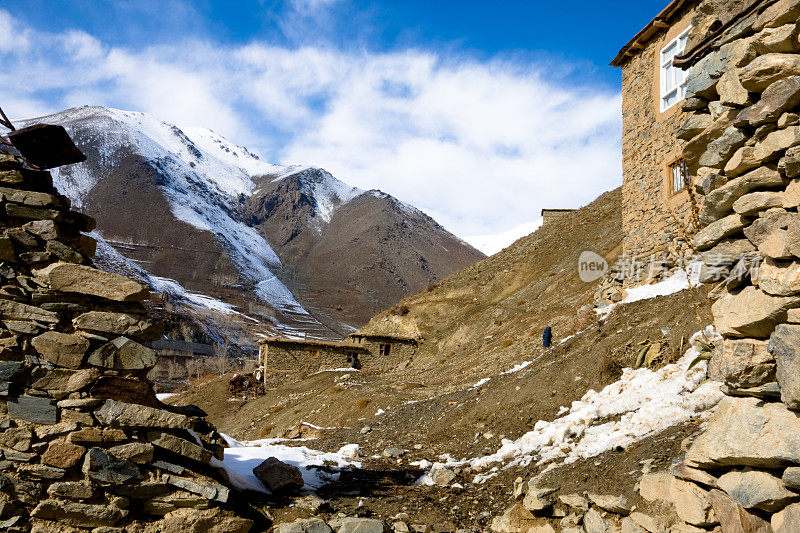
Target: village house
x=285, y=358
x=654, y=179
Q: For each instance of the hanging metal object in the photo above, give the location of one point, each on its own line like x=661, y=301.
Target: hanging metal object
x=43, y=145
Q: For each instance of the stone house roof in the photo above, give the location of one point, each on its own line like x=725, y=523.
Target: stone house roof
x=663, y=20
x=312, y=344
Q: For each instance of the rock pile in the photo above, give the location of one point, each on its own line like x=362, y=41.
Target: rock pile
x=84, y=443
x=742, y=141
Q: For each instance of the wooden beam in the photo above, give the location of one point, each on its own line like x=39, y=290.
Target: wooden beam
x=660, y=24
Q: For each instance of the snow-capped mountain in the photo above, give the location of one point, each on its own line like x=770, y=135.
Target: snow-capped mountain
x=292, y=246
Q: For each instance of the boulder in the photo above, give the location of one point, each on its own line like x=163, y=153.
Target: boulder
x=779, y=278
x=750, y=204
x=73, y=490
x=205, y=488
x=655, y=486
x=538, y=498
x=514, y=520
x=442, y=476
x=692, y=503
x=784, y=345
x=279, y=477
x=733, y=517
x=791, y=196
x=777, y=245
x=730, y=89
x=61, y=349
x=18, y=439
x=774, y=144
x=781, y=96
x=574, y=501
x=123, y=354
x=740, y=162
x=681, y=471
x=81, y=279
x=751, y=312
x=786, y=521
x=742, y=363
x=765, y=70
x=61, y=379
x=754, y=489
x=766, y=435
x=137, y=452
x=715, y=232
x=777, y=14
x=593, y=522
x=196, y=520
x=693, y=126
x=790, y=163
x=179, y=446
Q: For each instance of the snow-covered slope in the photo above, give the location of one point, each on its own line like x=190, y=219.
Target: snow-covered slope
x=187, y=205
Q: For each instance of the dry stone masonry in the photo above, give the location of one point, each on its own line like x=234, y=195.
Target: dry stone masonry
x=742, y=142
x=84, y=443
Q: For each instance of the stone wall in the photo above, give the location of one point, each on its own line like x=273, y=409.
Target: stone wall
x=84, y=443
x=299, y=359
x=648, y=148
x=743, y=140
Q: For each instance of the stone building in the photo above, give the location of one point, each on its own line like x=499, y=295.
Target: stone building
x=386, y=351
x=654, y=187
x=551, y=215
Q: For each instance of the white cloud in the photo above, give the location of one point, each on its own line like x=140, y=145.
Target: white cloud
x=481, y=145
x=493, y=243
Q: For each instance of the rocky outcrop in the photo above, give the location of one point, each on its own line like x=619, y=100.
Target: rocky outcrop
x=740, y=474
x=85, y=443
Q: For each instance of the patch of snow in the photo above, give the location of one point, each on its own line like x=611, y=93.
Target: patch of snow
x=229, y=153
x=336, y=370
x=645, y=402
x=350, y=450
x=176, y=290
x=517, y=368
x=481, y=383
x=379, y=412
x=164, y=395
x=677, y=282
x=242, y=457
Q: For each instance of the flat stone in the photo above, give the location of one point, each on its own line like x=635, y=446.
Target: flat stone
x=33, y=409
x=209, y=490
x=786, y=521
x=692, y=503
x=116, y=323
x=63, y=252
x=66, y=380
x=611, y=503
x=11, y=370
x=179, y=446
x=694, y=125
x=144, y=490
x=781, y=96
x=44, y=229
x=62, y=454
x=695, y=475
x=61, y=349
x=757, y=490
x=81, y=279
x=358, y=525
x=715, y=232
x=123, y=354
x=766, y=435
x=767, y=223
x=767, y=69
x=733, y=517
x=22, y=326
x=743, y=363
x=791, y=477
x=750, y=204
x=751, y=312
x=789, y=164
x=207, y=521
x=722, y=148
x=104, y=468
x=784, y=345
x=41, y=472
x=304, y=525
x=10, y=310
x=62, y=428
x=655, y=486
x=97, y=435
x=593, y=522
x=775, y=143
x=79, y=403
x=121, y=414
x=442, y=476
x=78, y=514
x=138, y=452
x=74, y=490
x=278, y=476
x=777, y=245
x=574, y=501
x=23, y=211
x=719, y=202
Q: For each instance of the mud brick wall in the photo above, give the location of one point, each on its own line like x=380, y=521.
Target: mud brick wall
x=301, y=360
x=742, y=138
x=649, y=146
x=84, y=443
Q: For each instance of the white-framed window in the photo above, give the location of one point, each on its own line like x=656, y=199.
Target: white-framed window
x=673, y=79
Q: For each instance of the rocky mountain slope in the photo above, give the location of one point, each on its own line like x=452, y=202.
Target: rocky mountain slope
x=486, y=401
x=292, y=247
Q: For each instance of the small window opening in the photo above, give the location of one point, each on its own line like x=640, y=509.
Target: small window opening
x=680, y=176
x=385, y=349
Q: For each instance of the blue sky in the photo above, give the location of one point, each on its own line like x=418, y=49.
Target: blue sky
x=480, y=113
